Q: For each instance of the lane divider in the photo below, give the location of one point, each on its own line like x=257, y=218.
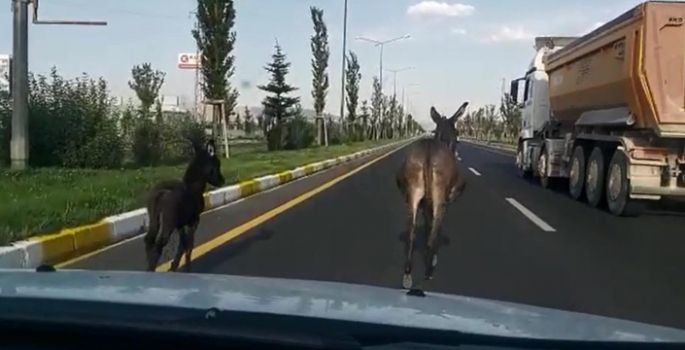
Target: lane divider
x=72, y=242
x=474, y=171
x=531, y=216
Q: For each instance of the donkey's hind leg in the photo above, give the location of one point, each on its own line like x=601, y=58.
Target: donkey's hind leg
x=414, y=197
x=154, y=248
x=190, y=243
x=431, y=258
x=182, y=243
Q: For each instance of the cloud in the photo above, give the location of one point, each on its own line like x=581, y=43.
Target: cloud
x=440, y=9
x=458, y=31
x=509, y=34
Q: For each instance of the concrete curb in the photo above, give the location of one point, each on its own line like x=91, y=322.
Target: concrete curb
x=69, y=243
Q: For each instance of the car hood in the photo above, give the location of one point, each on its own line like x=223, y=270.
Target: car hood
x=328, y=300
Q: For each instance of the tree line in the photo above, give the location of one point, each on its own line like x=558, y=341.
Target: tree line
x=490, y=122
x=76, y=123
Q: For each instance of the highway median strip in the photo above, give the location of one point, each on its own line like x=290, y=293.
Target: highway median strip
x=69, y=243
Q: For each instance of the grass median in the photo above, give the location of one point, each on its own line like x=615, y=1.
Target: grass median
x=46, y=200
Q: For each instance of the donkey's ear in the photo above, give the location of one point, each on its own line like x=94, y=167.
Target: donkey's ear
x=459, y=112
x=197, y=147
x=210, y=148
x=437, y=118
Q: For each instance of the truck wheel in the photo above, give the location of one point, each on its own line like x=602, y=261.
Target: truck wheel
x=545, y=180
x=522, y=173
x=576, y=178
x=617, y=187
x=594, y=177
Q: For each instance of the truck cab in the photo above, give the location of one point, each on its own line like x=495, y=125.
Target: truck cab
x=532, y=93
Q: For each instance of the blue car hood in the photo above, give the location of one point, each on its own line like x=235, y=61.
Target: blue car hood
x=328, y=300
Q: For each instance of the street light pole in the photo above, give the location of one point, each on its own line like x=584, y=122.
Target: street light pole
x=344, y=59
x=19, y=145
x=394, y=72
x=382, y=45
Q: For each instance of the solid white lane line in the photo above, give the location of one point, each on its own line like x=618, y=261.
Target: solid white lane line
x=474, y=171
x=531, y=216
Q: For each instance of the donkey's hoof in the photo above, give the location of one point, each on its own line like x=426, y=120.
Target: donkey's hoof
x=416, y=293
x=407, y=282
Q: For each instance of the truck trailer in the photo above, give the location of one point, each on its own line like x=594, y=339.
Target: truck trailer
x=605, y=113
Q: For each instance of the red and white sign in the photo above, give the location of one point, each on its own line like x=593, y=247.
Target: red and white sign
x=188, y=61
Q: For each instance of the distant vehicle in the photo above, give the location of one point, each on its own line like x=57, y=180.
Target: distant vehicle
x=232, y=312
x=606, y=111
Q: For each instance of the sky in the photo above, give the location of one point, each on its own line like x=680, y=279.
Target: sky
x=459, y=50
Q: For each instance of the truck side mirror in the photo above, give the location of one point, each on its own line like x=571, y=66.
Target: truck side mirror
x=514, y=90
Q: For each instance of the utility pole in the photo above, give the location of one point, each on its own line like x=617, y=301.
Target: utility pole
x=196, y=90
x=344, y=59
x=382, y=45
x=19, y=144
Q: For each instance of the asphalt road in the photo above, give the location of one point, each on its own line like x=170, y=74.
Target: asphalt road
x=509, y=240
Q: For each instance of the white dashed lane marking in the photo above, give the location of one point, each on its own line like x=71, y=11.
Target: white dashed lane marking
x=531, y=216
x=474, y=171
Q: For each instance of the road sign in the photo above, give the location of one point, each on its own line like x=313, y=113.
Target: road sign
x=188, y=61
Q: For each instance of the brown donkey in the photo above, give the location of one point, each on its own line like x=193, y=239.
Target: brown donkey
x=429, y=180
x=176, y=205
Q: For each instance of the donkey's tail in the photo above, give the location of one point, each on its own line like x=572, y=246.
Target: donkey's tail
x=428, y=175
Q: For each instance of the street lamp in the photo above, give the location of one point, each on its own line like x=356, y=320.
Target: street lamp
x=382, y=45
x=344, y=59
x=404, y=102
x=394, y=74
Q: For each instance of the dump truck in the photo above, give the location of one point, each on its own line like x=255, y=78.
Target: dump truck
x=604, y=114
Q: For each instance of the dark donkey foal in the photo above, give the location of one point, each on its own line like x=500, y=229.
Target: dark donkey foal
x=177, y=205
x=429, y=180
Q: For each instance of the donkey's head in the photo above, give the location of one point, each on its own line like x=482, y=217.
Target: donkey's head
x=205, y=166
x=446, y=128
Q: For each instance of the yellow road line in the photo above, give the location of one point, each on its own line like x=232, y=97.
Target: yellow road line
x=239, y=230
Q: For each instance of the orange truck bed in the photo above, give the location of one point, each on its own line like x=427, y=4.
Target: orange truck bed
x=629, y=72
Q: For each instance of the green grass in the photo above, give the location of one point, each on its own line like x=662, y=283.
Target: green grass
x=45, y=200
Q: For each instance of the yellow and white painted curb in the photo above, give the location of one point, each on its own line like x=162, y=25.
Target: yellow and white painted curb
x=72, y=242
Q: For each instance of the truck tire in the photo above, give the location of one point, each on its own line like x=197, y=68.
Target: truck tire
x=617, y=188
x=576, y=178
x=545, y=180
x=595, y=173
x=522, y=173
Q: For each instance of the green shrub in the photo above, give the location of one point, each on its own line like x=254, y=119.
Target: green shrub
x=147, y=143
x=300, y=133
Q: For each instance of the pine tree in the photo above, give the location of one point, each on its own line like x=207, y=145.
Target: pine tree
x=278, y=106
x=238, y=123
x=320, y=55
x=247, y=119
